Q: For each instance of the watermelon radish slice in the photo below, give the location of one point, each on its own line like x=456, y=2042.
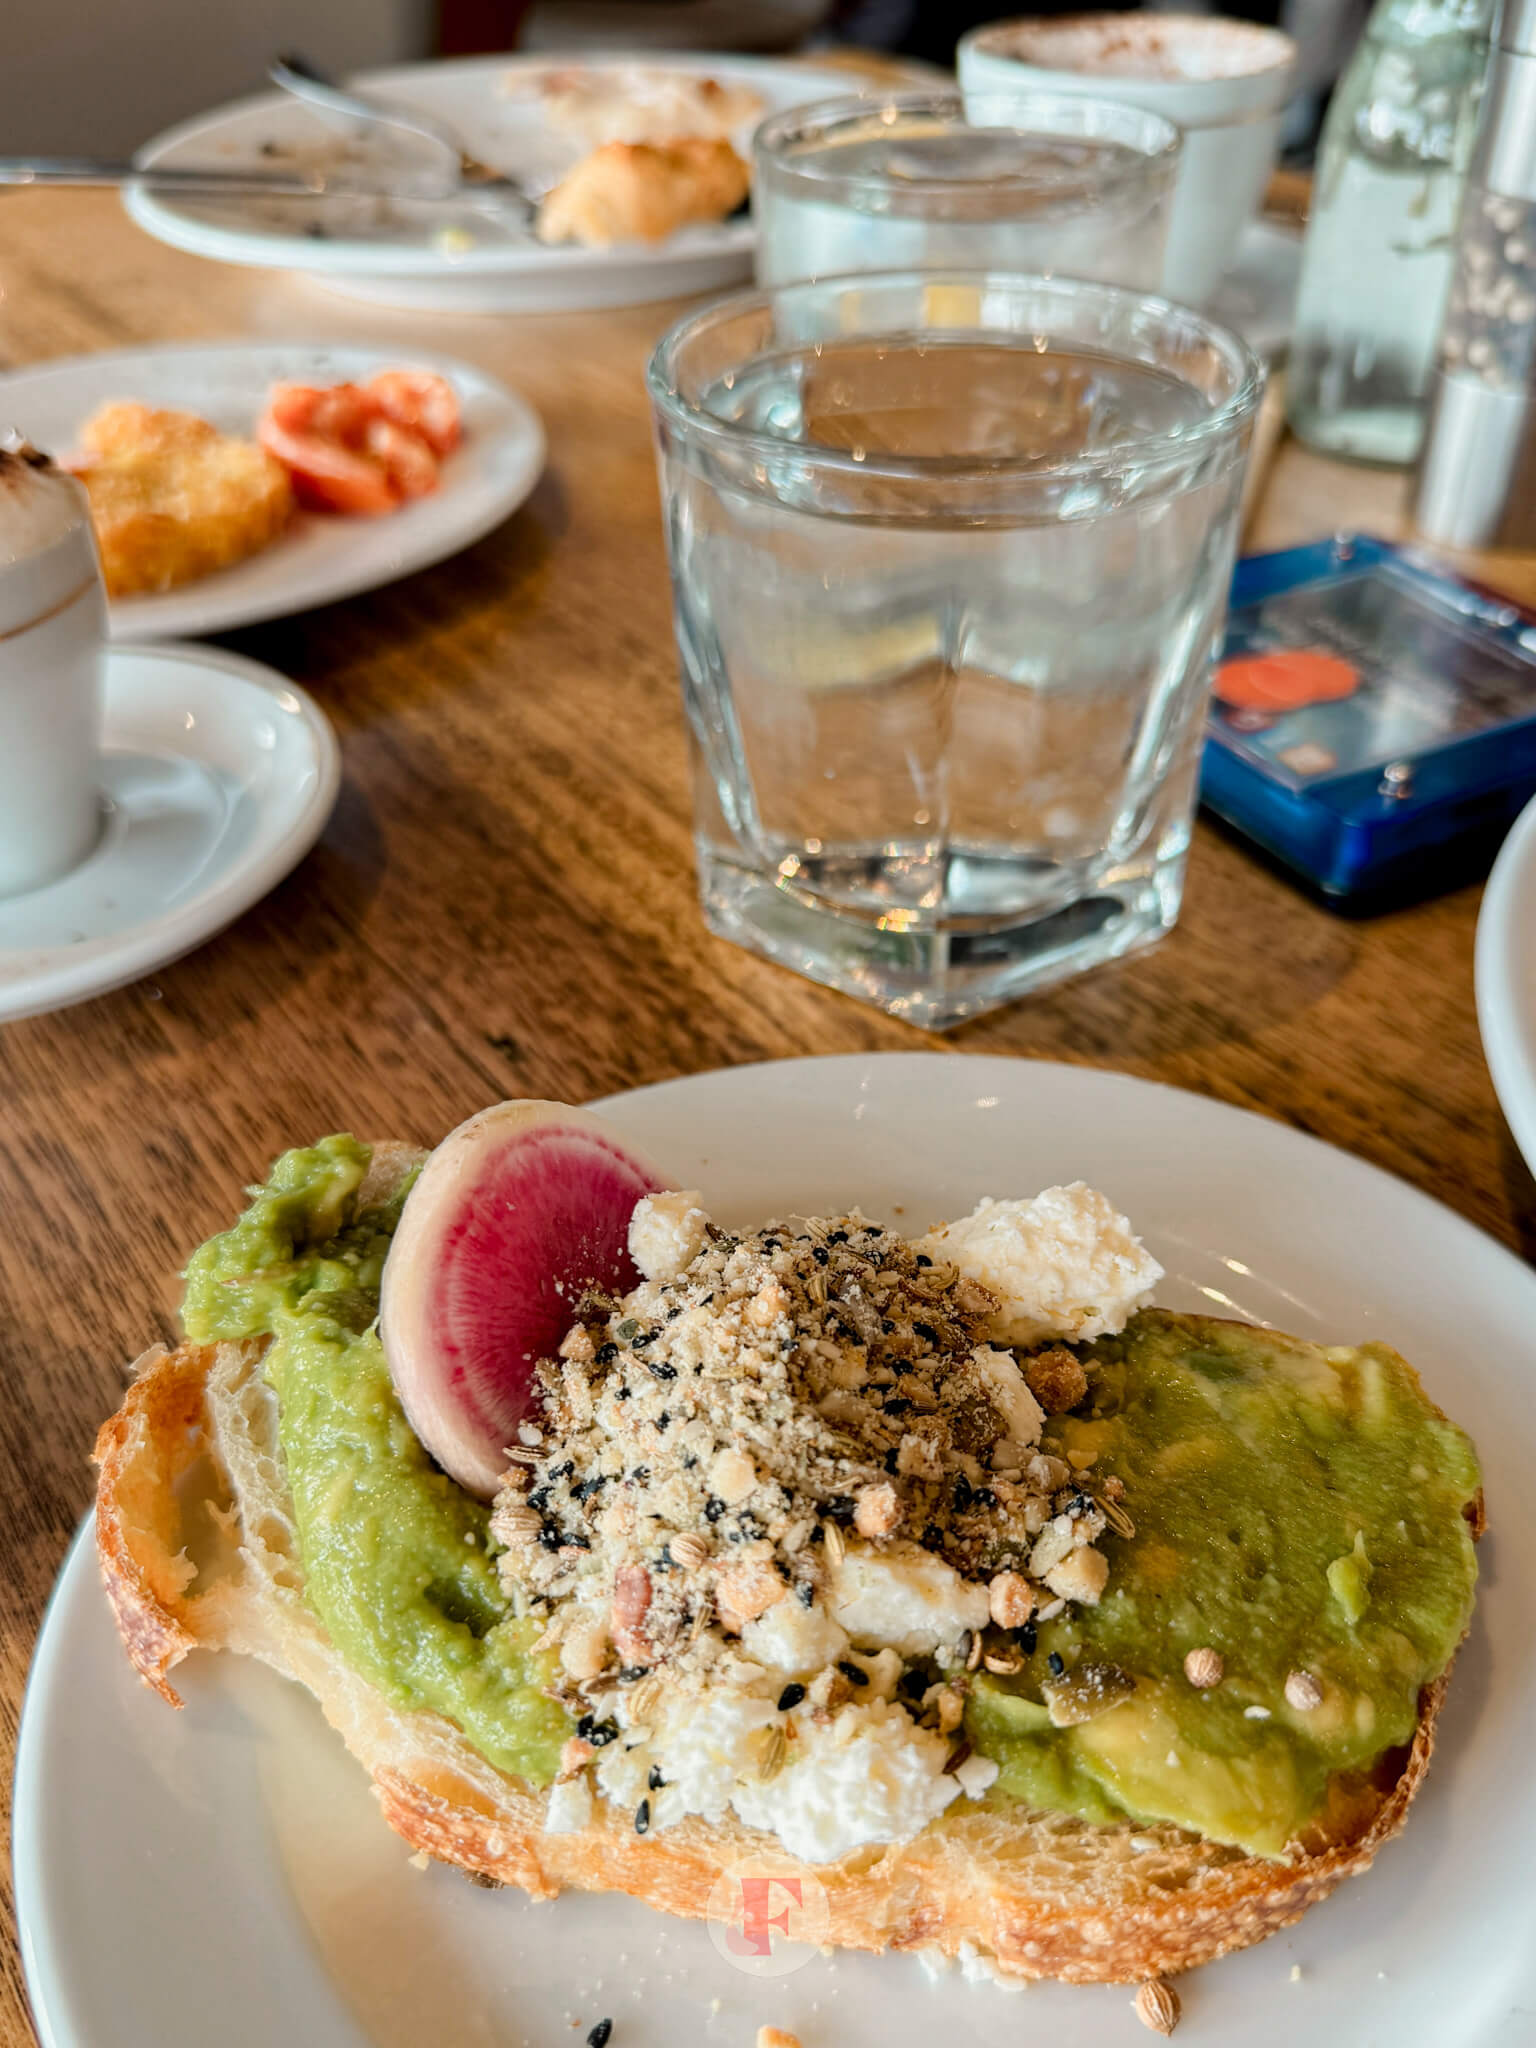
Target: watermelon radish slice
x=515, y=1214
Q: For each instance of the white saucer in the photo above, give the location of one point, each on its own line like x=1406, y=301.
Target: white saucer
x=321, y=556
x=217, y=776
x=1506, y=980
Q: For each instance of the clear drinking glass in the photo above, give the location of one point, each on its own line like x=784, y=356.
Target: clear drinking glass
x=949, y=557
x=1026, y=181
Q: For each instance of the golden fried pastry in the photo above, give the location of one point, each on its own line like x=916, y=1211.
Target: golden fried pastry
x=173, y=499
x=642, y=191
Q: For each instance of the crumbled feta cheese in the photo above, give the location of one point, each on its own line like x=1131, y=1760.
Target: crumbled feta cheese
x=666, y=1233
x=905, y=1597
x=1023, y=1417
x=869, y=1775
x=1066, y=1264
x=790, y=1637
x=976, y=1775
x=570, y=1807
x=702, y=1747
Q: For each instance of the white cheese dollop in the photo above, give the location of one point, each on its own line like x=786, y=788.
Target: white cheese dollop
x=795, y=1639
x=869, y=1775
x=904, y=1597
x=1066, y=1264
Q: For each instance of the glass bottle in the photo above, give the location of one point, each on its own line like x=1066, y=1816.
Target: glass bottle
x=1377, y=263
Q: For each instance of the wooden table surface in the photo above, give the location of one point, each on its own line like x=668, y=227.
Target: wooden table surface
x=503, y=902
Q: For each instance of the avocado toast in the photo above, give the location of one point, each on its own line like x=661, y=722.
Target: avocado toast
x=1253, y=1497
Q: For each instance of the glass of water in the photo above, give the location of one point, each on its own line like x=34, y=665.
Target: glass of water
x=1027, y=181
x=949, y=558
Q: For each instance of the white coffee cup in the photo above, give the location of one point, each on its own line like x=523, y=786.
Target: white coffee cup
x=53, y=622
x=1225, y=83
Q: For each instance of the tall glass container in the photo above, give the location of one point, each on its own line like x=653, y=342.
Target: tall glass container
x=1377, y=263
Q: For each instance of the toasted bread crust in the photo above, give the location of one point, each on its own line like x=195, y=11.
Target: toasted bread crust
x=1045, y=1895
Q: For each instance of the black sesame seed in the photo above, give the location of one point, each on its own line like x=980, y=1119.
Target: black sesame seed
x=539, y=1498
x=962, y=1493
x=933, y=1536
x=1079, y=1504
x=654, y=1778
x=663, y=1420
x=926, y=1331
x=622, y=1394
x=600, y=2035
x=576, y=1542
x=854, y=1673
x=892, y=1461
x=923, y=1259
x=896, y=1404
x=873, y=1230
x=820, y=1254
x=588, y=1487
x=900, y=1366
x=645, y=1337
x=642, y=1473
x=806, y=1594
x=674, y=1313
x=564, y=1471
x=713, y=1509
x=887, y=1326
x=837, y=1237
x=549, y=1537
x=628, y=1673
x=1027, y=1638
x=660, y=1370
x=840, y=1507
x=1058, y=1664
x=984, y=1497
x=791, y=1696
x=643, y=1817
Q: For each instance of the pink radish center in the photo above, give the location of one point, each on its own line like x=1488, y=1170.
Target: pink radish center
x=547, y=1219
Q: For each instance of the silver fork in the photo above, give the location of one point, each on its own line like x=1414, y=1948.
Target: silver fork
x=475, y=179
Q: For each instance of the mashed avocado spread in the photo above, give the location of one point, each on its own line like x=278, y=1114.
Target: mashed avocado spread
x=397, y=1557
x=1297, y=1510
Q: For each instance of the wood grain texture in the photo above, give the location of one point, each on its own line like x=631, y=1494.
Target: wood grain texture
x=503, y=901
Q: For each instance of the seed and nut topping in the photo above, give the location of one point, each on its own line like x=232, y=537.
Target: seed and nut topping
x=1204, y=1669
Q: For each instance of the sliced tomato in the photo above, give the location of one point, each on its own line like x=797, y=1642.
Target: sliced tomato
x=426, y=404
x=327, y=475
x=404, y=456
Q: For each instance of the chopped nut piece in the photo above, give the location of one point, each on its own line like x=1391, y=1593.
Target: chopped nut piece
x=767, y=1305
x=577, y=1344
x=1204, y=1668
x=1082, y=1576
x=1303, y=1692
x=1011, y=1599
x=1056, y=1378
x=1157, y=2006
x=878, y=1511
x=631, y=1604
x=575, y=1755
x=732, y=1476
x=950, y=1706
x=775, y=2037
x=746, y=1591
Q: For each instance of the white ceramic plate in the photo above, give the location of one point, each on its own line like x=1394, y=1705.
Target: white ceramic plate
x=1506, y=980
x=218, y=776
x=402, y=255
x=321, y=557
x=223, y=1874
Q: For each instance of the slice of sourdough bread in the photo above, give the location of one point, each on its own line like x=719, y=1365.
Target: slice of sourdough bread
x=198, y=1549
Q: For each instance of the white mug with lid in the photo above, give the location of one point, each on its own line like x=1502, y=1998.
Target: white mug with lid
x=53, y=623
x=1224, y=83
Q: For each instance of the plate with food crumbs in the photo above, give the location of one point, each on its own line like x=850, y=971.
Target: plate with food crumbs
x=792, y=1429
x=636, y=170
x=243, y=481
